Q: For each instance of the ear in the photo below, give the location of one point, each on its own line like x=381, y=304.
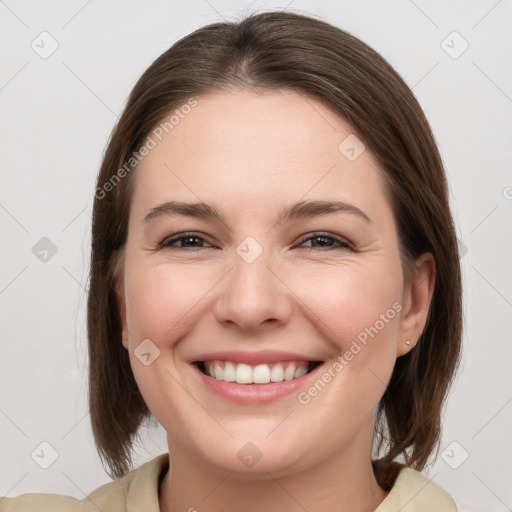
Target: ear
x=117, y=264
x=416, y=299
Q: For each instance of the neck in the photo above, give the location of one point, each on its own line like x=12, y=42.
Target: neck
x=342, y=482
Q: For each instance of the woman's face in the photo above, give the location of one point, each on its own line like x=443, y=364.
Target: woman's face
x=268, y=281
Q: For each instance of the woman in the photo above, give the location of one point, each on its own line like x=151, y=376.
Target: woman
x=274, y=277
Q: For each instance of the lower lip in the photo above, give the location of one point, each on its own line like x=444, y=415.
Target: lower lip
x=254, y=394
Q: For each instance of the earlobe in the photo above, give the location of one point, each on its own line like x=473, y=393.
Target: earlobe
x=416, y=300
x=122, y=313
x=125, y=337
x=119, y=291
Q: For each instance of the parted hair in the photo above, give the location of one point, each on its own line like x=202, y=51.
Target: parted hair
x=274, y=51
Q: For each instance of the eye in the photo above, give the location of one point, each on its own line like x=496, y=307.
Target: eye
x=322, y=241
x=326, y=241
x=187, y=240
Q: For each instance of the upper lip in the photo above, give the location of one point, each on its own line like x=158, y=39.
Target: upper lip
x=253, y=358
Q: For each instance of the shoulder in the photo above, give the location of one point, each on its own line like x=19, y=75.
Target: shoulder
x=32, y=502
x=139, y=488
x=109, y=497
x=415, y=492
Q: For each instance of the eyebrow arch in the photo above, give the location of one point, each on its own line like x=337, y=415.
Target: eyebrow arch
x=300, y=210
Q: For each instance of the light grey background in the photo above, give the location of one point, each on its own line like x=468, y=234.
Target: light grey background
x=56, y=115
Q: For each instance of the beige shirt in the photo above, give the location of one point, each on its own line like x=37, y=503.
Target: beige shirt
x=137, y=491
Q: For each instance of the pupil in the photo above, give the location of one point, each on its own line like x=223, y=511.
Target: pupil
x=193, y=238
x=323, y=240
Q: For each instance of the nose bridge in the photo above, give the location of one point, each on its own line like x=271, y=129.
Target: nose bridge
x=252, y=281
x=252, y=265
x=252, y=293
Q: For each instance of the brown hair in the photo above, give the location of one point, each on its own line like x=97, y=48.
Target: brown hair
x=272, y=51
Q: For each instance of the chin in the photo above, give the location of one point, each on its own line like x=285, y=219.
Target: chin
x=253, y=456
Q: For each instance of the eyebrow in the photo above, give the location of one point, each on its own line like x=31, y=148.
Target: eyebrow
x=300, y=210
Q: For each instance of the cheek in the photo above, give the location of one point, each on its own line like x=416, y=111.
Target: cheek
x=345, y=302
x=161, y=305
x=162, y=300
x=357, y=311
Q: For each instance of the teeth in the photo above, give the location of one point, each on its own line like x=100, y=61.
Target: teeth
x=289, y=372
x=299, y=372
x=277, y=373
x=261, y=374
x=229, y=372
x=241, y=373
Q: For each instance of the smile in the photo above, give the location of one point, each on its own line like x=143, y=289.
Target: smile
x=241, y=373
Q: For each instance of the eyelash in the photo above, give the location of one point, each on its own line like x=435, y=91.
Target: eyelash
x=343, y=244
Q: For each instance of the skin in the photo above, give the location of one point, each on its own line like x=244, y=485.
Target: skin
x=252, y=154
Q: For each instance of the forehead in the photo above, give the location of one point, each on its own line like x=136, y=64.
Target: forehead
x=258, y=149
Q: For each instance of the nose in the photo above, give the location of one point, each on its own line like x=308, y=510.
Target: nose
x=253, y=296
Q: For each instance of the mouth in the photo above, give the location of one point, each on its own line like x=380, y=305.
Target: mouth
x=241, y=373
